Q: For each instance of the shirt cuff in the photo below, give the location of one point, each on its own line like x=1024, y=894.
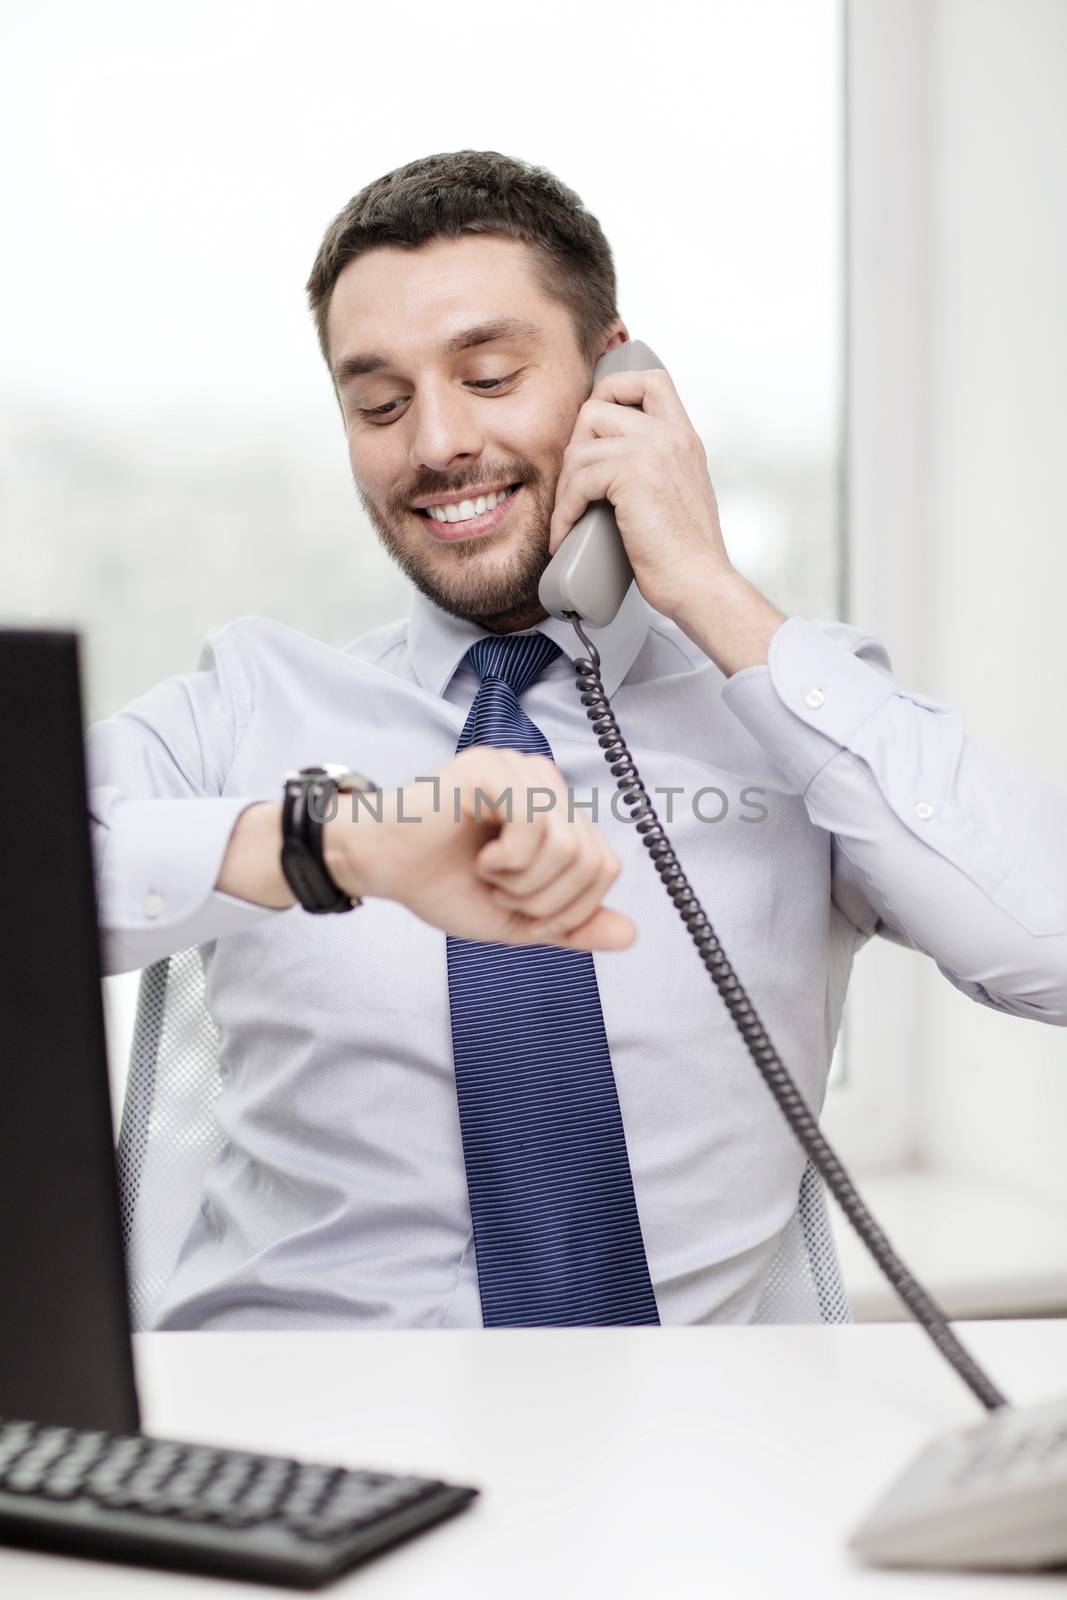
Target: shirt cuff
x=812, y=695
x=152, y=901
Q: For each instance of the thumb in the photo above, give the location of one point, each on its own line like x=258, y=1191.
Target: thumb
x=605, y=930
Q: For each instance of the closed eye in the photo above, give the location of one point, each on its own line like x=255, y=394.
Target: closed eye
x=475, y=383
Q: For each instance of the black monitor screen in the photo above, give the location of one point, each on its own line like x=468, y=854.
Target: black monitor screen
x=64, y=1332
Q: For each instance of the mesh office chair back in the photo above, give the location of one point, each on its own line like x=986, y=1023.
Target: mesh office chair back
x=169, y=1137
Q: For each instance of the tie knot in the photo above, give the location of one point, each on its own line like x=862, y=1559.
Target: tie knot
x=517, y=658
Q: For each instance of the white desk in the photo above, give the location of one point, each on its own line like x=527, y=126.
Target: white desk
x=673, y=1462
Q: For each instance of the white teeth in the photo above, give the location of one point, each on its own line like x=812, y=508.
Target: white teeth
x=465, y=509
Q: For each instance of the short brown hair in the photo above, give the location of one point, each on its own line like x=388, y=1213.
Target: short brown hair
x=469, y=192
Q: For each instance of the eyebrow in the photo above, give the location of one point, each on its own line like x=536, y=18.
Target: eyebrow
x=481, y=333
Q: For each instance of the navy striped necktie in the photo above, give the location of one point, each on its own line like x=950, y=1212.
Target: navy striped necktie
x=556, y=1231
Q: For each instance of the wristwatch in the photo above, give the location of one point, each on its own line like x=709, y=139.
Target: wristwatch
x=309, y=799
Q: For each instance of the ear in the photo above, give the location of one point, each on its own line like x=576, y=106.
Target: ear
x=617, y=335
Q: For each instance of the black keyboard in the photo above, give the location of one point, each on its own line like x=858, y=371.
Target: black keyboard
x=176, y=1504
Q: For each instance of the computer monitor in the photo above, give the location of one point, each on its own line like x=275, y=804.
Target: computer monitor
x=65, y=1351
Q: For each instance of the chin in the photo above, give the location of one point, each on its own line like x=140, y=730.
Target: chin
x=491, y=582
x=508, y=600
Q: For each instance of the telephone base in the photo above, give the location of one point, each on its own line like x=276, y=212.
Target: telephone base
x=990, y=1497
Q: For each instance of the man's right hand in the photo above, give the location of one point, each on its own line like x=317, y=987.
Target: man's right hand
x=442, y=851
x=537, y=879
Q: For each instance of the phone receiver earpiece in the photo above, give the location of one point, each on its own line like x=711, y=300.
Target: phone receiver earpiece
x=590, y=573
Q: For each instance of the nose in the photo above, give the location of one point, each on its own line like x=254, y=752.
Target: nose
x=447, y=428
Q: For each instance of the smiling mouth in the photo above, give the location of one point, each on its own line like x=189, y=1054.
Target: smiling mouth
x=469, y=527
x=427, y=511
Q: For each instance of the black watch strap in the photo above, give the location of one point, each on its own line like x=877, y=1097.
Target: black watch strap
x=309, y=799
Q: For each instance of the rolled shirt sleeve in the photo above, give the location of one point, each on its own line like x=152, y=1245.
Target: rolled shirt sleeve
x=939, y=843
x=160, y=821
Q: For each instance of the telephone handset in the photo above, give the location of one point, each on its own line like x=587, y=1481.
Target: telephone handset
x=925, y=1520
x=590, y=573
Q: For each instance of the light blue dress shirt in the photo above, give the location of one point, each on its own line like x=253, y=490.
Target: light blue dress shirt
x=820, y=802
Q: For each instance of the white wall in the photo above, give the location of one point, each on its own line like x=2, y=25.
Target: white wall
x=993, y=1092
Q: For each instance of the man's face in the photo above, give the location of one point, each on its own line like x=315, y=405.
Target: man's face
x=445, y=430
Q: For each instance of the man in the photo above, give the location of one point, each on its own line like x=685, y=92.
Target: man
x=487, y=1097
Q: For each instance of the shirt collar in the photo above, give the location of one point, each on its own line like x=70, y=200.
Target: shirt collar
x=438, y=641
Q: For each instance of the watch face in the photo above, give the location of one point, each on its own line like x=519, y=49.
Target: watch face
x=345, y=779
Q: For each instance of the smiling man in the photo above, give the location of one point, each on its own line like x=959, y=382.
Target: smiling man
x=471, y=534
x=488, y=1097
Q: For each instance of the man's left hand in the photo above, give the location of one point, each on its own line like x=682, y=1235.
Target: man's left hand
x=652, y=466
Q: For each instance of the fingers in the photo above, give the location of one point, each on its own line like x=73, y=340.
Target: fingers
x=569, y=899
x=548, y=869
x=550, y=866
x=506, y=786
x=604, y=930
x=562, y=887
x=526, y=857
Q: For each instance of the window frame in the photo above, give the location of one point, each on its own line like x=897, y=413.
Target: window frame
x=872, y=1115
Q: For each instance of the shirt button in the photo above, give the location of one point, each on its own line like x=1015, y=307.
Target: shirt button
x=814, y=698
x=923, y=810
x=153, y=904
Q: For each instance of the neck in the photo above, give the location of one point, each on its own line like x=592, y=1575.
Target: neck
x=513, y=620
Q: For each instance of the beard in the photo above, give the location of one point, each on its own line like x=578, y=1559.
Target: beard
x=468, y=579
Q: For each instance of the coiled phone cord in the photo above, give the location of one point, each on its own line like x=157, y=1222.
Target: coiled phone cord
x=778, y=1080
